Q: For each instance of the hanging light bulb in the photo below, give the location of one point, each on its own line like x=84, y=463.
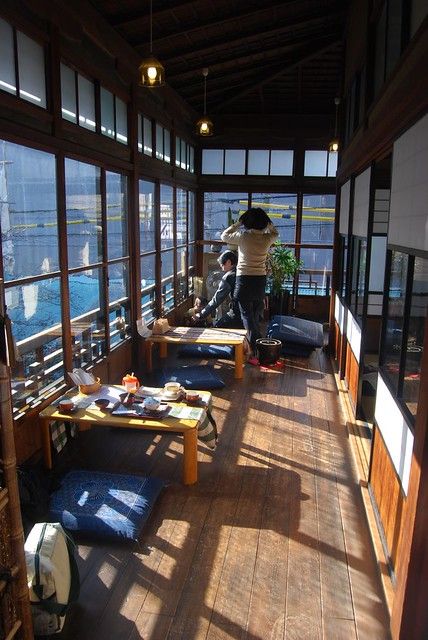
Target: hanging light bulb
x=152, y=72
x=334, y=144
x=204, y=126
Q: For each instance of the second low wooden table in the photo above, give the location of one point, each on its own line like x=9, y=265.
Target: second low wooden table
x=195, y=335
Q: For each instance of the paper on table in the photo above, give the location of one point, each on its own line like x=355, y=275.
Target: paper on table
x=186, y=413
x=112, y=394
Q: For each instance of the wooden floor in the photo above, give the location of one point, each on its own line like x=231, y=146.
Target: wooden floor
x=272, y=542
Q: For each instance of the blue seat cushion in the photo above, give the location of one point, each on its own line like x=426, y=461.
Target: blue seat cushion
x=296, y=331
x=205, y=351
x=107, y=504
x=191, y=377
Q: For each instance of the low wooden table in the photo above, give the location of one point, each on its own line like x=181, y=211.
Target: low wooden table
x=88, y=417
x=196, y=335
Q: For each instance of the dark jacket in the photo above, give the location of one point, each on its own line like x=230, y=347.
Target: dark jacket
x=225, y=288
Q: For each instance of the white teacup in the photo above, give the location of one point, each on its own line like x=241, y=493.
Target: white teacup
x=172, y=388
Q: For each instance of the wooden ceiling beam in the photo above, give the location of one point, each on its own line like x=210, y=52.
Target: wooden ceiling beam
x=275, y=75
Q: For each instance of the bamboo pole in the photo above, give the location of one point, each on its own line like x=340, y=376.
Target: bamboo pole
x=16, y=536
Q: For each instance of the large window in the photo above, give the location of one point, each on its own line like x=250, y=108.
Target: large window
x=404, y=322
x=167, y=242
x=80, y=295
x=252, y=162
x=300, y=225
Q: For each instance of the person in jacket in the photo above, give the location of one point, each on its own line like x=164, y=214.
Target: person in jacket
x=253, y=234
x=232, y=318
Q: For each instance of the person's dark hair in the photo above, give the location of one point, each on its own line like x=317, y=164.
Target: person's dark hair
x=228, y=255
x=255, y=218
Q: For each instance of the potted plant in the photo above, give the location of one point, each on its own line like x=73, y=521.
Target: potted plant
x=282, y=266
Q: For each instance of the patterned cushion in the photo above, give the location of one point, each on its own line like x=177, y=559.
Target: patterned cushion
x=108, y=504
x=205, y=351
x=191, y=377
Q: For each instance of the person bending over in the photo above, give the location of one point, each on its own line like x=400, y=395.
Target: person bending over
x=232, y=318
x=253, y=233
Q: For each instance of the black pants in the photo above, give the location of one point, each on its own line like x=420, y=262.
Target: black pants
x=250, y=294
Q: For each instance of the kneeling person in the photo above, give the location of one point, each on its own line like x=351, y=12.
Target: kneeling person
x=232, y=319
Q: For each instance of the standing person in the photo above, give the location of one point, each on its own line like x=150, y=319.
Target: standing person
x=253, y=233
x=232, y=319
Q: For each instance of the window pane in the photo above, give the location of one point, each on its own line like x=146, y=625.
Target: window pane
x=191, y=159
x=140, y=133
x=117, y=215
x=31, y=68
x=119, y=309
x=316, y=163
x=177, y=151
x=318, y=219
x=147, y=216
x=234, y=162
x=86, y=103
x=281, y=163
x=148, y=280
x=87, y=319
x=107, y=113
x=147, y=137
x=83, y=207
x=166, y=145
x=361, y=279
x=191, y=223
x=212, y=161
x=28, y=209
x=395, y=317
x=181, y=274
x=7, y=58
x=190, y=267
x=258, y=162
x=282, y=209
x=166, y=216
x=221, y=210
x=315, y=276
x=181, y=216
x=167, y=275
x=415, y=338
x=159, y=142
x=68, y=93
x=35, y=312
x=183, y=154
x=332, y=164
x=121, y=121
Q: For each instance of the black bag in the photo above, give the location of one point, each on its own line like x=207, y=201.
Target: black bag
x=33, y=496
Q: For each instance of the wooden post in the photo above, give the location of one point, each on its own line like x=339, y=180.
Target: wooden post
x=190, y=454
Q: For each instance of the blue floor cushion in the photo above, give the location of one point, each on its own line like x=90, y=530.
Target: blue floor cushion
x=298, y=336
x=205, y=351
x=107, y=504
x=191, y=377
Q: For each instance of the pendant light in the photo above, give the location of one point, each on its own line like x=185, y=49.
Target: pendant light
x=152, y=72
x=204, y=126
x=333, y=146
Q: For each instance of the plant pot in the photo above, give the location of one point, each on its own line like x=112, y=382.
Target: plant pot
x=278, y=303
x=268, y=350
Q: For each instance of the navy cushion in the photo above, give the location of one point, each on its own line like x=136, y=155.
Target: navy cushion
x=191, y=377
x=109, y=504
x=291, y=330
x=205, y=351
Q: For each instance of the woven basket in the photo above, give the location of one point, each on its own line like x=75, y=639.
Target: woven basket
x=87, y=389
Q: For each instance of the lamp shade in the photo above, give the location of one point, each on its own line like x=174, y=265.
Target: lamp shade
x=333, y=145
x=152, y=73
x=204, y=127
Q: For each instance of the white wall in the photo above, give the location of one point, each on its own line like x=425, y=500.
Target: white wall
x=395, y=431
x=361, y=203
x=408, y=219
x=339, y=314
x=353, y=335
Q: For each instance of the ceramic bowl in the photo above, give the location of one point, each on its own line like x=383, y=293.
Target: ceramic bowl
x=172, y=388
x=66, y=405
x=102, y=403
x=192, y=397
